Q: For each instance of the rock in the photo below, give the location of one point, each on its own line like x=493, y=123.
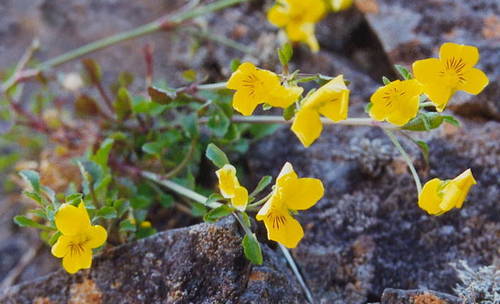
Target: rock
x=397, y=296
x=199, y=264
x=412, y=30
x=368, y=233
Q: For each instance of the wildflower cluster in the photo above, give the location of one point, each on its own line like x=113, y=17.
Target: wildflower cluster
x=108, y=163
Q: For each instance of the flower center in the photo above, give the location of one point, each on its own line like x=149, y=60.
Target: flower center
x=393, y=96
x=453, y=72
x=276, y=219
x=77, y=246
x=251, y=83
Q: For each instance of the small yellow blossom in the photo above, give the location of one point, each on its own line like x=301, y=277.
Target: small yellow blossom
x=438, y=196
x=397, y=102
x=255, y=86
x=146, y=224
x=453, y=71
x=230, y=187
x=340, y=5
x=298, y=18
x=331, y=100
x=290, y=193
x=78, y=237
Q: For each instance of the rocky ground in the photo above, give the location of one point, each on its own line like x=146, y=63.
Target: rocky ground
x=365, y=236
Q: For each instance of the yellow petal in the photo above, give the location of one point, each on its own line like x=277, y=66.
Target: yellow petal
x=304, y=194
x=77, y=260
x=278, y=14
x=286, y=175
x=307, y=126
x=451, y=195
x=405, y=113
x=428, y=72
x=227, y=180
x=429, y=198
x=71, y=220
x=240, y=199
x=267, y=208
x=468, y=54
x=284, y=229
x=236, y=80
x=61, y=247
x=283, y=97
x=464, y=182
x=338, y=108
x=475, y=81
x=244, y=103
x=439, y=95
x=96, y=235
x=312, y=10
x=310, y=36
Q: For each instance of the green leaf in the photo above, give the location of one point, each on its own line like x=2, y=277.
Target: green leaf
x=385, y=80
x=219, y=122
x=216, y=214
x=140, y=202
x=252, y=250
x=190, y=125
x=154, y=148
x=53, y=238
x=285, y=53
x=235, y=63
x=123, y=104
x=166, y=200
x=404, y=72
x=289, y=112
x=451, y=120
x=424, y=122
x=73, y=199
x=216, y=156
x=424, y=147
x=102, y=155
x=23, y=221
x=368, y=107
x=107, y=212
x=127, y=225
x=246, y=219
x=198, y=209
x=32, y=178
x=161, y=96
x=263, y=183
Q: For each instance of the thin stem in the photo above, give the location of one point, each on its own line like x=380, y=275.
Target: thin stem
x=242, y=224
x=183, y=163
x=272, y=119
x=296, y=271
x=220, y=39
x=179, y=189
x=260, y=202
x=427, y=104
x=166, y=22
x=21, y=64
x=406, y=157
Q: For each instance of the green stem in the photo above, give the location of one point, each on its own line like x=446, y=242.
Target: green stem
x=407, y=159
x=220, y=39
x=167, y=21
x=427, y=104
x=260, y=202
x=296, y=271
x=183, y=163
x=272, y=119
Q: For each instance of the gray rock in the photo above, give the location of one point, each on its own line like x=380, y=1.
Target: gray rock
x=199, y=264
x=368, y=233
x=412, y=30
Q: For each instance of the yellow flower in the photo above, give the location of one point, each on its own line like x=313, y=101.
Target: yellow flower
x=397, y=102
x=438, y=197
x=255, y=86
x=339, y=5
x=289, y=194
x=230, y=187
x=298, y=18
x=452, y=72
x=331, y=100
x=78, y=237
x=146, y=224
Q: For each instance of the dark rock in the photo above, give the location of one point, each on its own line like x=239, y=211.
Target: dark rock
x=368, y=233
x=412, y=30
x=398, y=296
x=198, y=264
